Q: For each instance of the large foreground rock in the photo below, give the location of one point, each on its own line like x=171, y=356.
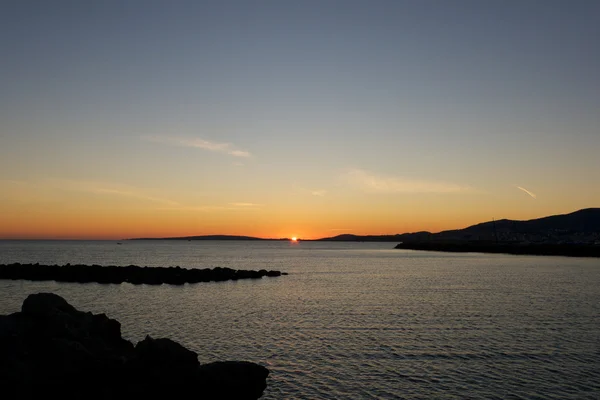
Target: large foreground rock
x=52, y=350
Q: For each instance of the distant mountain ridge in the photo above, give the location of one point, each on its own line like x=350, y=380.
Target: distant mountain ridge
x=348, y=237
x=207, y=237
x=582, y=226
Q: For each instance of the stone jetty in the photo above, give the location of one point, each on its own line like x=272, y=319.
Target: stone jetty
x=132, y=274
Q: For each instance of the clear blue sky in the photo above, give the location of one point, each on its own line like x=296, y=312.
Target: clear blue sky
x=297, y=117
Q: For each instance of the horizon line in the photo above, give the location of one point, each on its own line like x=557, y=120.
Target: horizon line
x=268, y=238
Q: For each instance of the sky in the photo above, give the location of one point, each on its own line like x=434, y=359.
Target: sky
x=290, y=118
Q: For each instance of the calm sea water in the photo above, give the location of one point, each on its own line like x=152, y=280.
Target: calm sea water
x=356, y=320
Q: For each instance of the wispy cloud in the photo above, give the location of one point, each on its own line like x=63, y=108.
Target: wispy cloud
x=114, y=189
x=240, y=204
x=163, y=204
x=226, y=148
x=209, y=208
x=305, y=191
x=341, y=229
x=373, y=183
x=528, y=192
x=189, y=208
x=238, y=153
x=107, y=188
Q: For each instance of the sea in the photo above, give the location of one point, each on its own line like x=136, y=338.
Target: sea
x=355, y=320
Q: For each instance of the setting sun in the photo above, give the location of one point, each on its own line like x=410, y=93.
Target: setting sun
x=294, y=239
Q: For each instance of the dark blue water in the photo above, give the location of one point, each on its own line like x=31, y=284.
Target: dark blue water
x=357, y=320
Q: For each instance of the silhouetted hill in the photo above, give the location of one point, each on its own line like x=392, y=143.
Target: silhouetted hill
x=581, y=226
x=535, y=249
x=347, y=237
x=586, y=220
x=207, y=237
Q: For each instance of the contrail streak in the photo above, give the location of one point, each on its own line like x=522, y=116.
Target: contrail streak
x=528, y=192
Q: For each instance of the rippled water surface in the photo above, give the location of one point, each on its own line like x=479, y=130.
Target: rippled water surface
x=356, y=320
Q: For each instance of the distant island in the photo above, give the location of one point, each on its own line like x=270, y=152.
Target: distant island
x=206, y=237
x=580, y=228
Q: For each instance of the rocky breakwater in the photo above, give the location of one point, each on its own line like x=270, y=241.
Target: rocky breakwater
x=131, y=274
x=52, y=350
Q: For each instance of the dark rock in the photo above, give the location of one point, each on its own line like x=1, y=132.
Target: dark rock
x=537, y=249
x=132, y=273
x=235, y=379
x=50, y=349
x=164, y=353
x=45, y=305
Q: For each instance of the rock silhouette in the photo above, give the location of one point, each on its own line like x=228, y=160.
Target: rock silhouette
x=52, y=350
x=132, y=274
x=567, y=250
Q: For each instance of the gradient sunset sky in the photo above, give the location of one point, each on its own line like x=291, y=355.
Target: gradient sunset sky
x=294, y=118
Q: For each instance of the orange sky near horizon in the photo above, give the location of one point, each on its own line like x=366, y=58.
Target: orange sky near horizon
x=43, y=212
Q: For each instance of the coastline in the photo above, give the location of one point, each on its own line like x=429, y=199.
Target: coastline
x=566, y=250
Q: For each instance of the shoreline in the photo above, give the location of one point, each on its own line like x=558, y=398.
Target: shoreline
x=565, y=250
